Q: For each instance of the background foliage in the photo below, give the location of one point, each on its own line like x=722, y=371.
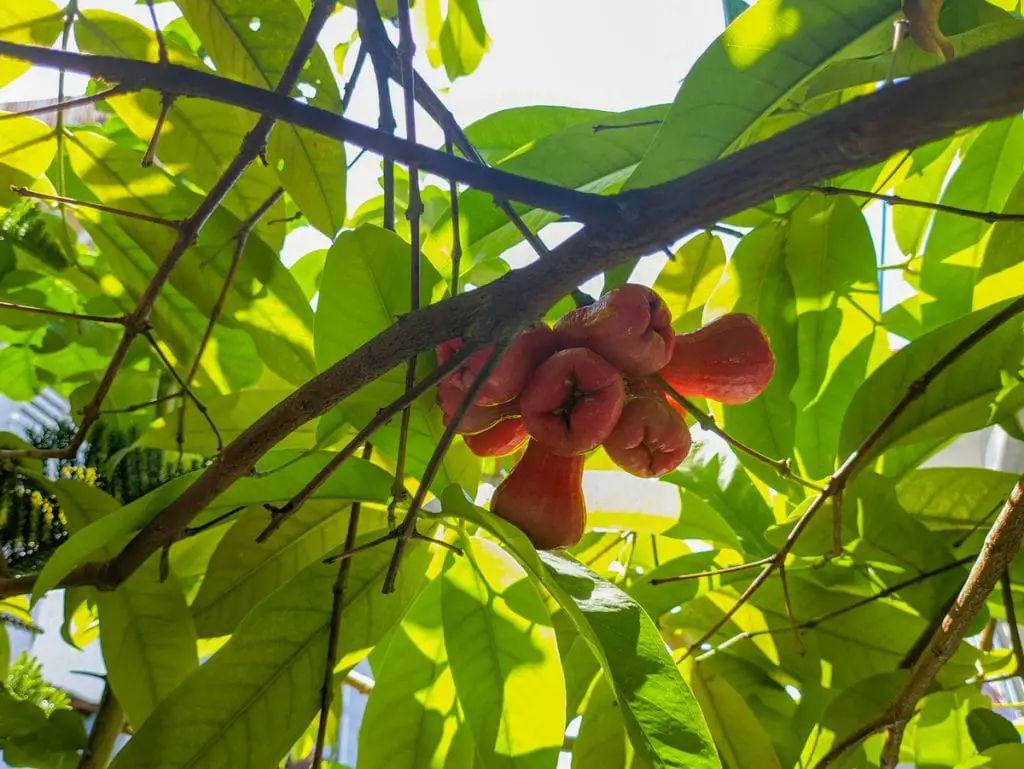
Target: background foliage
x=215, y=649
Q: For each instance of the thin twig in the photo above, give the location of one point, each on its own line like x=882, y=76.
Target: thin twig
x=327, y=690
x=185, y=388
x=280, y=514
x=106, y=728
x=393, y=534
x=114, y=319
x=188, y=230
x=408, y=527
x=842, y=476
x=146, y=404
x=412, y=213
x=714, y=572
x=801, y=649
x=453, y=196
x=241, y=238
x=707, y=422
x=192, y=531
x=896, y=200
x=1001, y=545
x=599, y=127
x=173, y=224
x=369, y=17
x=69, y=19
x=64, y=106
x=350, y=86
x=1011, y=623
x=161, y=44
x=166, y=102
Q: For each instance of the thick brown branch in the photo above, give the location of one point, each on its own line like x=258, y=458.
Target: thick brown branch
x=971, y=90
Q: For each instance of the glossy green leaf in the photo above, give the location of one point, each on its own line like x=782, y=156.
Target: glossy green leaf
x=955, y=248
x=712, y=474
x=414, y=699
x=148, y=640
x=757, y=283
x=988, y=729
x=747, y=73
x=940, y=734
x=354, y=480
x=17, y=373
x=965, y=396
x=242, y=572
x=661, y=715
x=254, y=45
x=954, y=497
x=246, y=706
x=502, y=652
x=27, y=147
x=831, y=261
x=740, y=739
x=998, y=757
x=37, y=22
x=365, y=289
x=459, y=41
x=688, y=279
x=602, y=742
x=199, y=138
x=503, y=133
x=1004, y=247
x=924, y=182
x=577, y=157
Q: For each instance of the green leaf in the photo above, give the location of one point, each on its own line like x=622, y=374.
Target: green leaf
x=712, y=474
x=17, y=373
x=1004, y=247
x=831, y=261
x=954, y=497
x=254, y=45
x=355, y=480
x=414, y=698
x=756, y=282
x=602, y=742
x=148, y=640
x=688, y=279
x=37, y=22
x=661, y=716
x=998, y=757
x=924, y=182
x=246, y=706
x=200, y=138
x=955, y=250
x=749, y=72
x=739, y=737
x=577, y=157
x=365, y=290
x=27, y=147
x=461, y=39
x=959, y=399
x=502, y=652
x=500, y=134
x=939, y=735
x=242, y=572
x=233, y=413
x=989, y=729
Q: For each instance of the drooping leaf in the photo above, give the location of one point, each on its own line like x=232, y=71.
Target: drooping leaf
x=246, y=705
x=37, y=22
x=414, y=698
x=662, y=718
x=746, y=73
x=254, y=46
x=502, y=652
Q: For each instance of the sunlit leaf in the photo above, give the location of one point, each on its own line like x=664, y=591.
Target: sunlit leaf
x=34, y=21
x=27, y=147
x=688, y=279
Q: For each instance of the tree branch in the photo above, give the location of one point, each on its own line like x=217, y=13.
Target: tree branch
x=1001, y=545
x=985, y=86
x=117, y=320
x=896, y=200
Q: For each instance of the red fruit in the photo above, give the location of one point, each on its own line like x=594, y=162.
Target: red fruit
x=631, y=327
x=573, y=401
x=508, y=378
x=650, y=438
x=543, y=496
x=498, y=441
x=729, y=360
x=477, y=419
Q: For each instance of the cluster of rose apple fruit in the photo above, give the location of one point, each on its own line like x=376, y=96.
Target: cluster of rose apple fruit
x=591, y=381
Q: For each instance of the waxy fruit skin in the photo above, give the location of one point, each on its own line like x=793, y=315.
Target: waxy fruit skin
x=500, y=440
x=573, y=401
x=630, y=327
x=650, y=438
x=543, y=497
x=729, y=360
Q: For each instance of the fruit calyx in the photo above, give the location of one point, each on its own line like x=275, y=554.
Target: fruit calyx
x=650, y=438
